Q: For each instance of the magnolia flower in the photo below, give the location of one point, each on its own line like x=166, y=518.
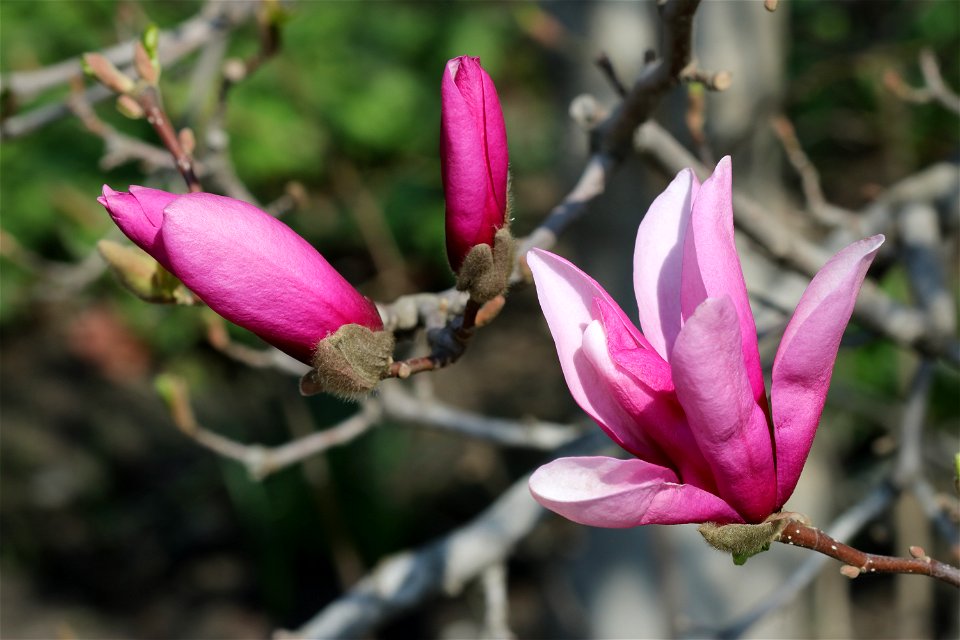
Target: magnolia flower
x=244, y=264
x=686, y=396
x=473, y=156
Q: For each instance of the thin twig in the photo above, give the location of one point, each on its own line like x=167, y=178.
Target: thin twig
x=934, y=89
x=605, y=65
x=449, y=342
x=442, y=567
x=809, y=176
x=857, y=562
x=120, y=147
x=149, y=99
x=56, y=280
x=399, y=404
x=270, y=357
x=613, y=137
x=843, y=528
x=261, y=461
x=175, y=44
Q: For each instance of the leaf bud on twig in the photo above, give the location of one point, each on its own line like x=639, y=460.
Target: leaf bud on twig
x=97, y=66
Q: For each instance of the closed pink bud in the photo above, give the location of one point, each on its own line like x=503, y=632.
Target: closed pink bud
x=473, y=155
x=244, y=264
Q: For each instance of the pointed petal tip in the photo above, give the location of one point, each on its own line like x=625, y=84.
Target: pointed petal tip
x=876, y=241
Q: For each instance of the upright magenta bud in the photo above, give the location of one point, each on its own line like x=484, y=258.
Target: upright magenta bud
x=247, y=266
x=473, y=154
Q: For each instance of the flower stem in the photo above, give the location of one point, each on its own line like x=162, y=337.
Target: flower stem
x=858, y=562
x=149, y=99
x=449, y=342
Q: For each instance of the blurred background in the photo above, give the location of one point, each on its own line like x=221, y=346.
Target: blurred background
x=114, y=524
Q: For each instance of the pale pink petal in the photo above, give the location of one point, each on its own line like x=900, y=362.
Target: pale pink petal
x=255, y=271
x=711, y=266
x=804, y=362
x=607, y=492
x=658, y=261
x=729, y=426
x=568, y=299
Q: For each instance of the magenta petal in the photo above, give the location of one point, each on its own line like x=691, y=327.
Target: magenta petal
x=568, y=299
x=258, y=273
x=711, y=266
x=640, y=405
x=658, y=261
x=139, y=215
x=607, y=492
x=729, y=426
x=641, y=382
x=804, y=362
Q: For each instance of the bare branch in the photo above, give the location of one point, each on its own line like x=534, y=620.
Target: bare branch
x=843, y=528
x=496, y=623
x=809, y=176
x=443, y=567
x=175, y=44
x=656, y=80
x=260, y=461
x=934, y=89
x=613, y=137
x=921, y=238
x=857, y=562
x=399, y=404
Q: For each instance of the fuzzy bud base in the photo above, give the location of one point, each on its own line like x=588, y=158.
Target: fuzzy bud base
x=486, y=270
x=349, y=362
x=742, y=541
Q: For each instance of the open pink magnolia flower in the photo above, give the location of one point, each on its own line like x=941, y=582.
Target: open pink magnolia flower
x=686, y=397
x=473, y=156
x=244, y=264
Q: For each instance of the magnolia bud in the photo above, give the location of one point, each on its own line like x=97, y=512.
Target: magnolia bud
x=244, y=264
x=473, y=155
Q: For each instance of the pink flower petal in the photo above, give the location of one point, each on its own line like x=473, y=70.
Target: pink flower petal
x=607, y=492
x=255, y=271
x=641, y=382
x=139, y=215
x=568, y=299
x=658, y=261
x=804, y=362
x=638, y=404
x=729, y=426
x=711, y=266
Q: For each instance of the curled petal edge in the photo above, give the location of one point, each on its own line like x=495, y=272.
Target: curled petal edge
x=609, y=492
